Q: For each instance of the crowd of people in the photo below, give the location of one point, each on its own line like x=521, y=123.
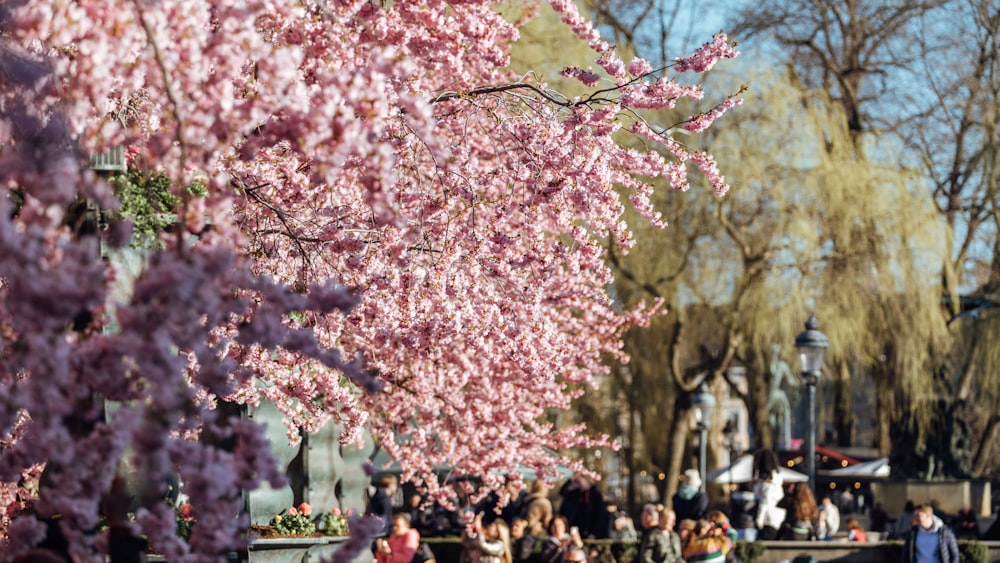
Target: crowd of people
x=531, y=528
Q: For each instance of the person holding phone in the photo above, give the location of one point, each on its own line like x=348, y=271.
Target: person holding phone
x=561, y=537
x=488, y=543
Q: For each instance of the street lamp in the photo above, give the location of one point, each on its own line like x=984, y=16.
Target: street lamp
x=811, y=344
x=703, y=403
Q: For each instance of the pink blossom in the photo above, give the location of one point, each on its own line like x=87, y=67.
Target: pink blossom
x=391, y=233
x=705, y=57
x=638, y=67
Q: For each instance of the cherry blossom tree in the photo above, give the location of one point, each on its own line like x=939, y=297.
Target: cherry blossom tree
x=376, y=224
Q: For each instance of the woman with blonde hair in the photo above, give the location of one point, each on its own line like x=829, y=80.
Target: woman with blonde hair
x=487, y=544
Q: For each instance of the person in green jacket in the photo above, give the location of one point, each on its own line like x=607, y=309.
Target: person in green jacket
x=652, y=543
x=667, y=520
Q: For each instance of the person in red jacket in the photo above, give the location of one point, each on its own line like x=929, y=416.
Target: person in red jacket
x=855, y=532
x=401, y=544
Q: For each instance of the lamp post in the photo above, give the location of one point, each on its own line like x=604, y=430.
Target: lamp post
x=811, y=344
x=703, y=403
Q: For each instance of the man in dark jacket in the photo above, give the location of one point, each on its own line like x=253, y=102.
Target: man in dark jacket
x=380, y=504
x=930, y=541
x=689, y=502
x=583, y=506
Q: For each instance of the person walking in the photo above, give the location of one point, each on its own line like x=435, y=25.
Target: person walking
x=929, y=541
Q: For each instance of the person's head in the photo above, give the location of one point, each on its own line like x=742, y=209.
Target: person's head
x=909, y=506
x=648, y=516
x=924, y=516
x=558, y=527
x=666, y=518
x=853, y=524
x=517, y=527
x=400, y=523
x=415, y=500
x=389, y=483
x=765, y=463
x=575, y=554
x=539, y=488
x=703, y=528
x=497, y=530
x=691, y=478
x=826, y=499
x=717, y=517
x=582, y=481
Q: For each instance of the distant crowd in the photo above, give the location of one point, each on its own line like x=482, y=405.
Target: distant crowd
x=530, y=529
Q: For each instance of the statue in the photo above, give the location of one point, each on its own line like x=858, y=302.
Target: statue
x=778, y=408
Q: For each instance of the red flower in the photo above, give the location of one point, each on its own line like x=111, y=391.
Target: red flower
x=185, y=511
x=305, y=509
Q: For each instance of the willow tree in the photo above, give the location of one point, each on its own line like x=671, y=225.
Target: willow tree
x=881, y=63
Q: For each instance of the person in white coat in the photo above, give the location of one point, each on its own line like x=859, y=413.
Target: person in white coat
x=769, y=490
x=829, y=519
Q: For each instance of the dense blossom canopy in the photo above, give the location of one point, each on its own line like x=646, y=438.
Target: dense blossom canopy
x=390, y=230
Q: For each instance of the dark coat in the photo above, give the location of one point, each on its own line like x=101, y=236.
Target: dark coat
x=381, y=505
x=947, y=546
x=586, y=510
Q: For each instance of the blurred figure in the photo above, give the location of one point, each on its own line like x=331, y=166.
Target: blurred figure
x=769, y=492
x=847, y=501
x=380, y=504
x=685, y=530
x=801, y=515
x=652, y=543
x=879, y=519
x=522, y=543
x=561, y=537
x=489, y=543
x=666, y=518
x=709, y=544
x=622, y=528
x=929, y=541
x=583, y=506
x=575, y=554
x=402, y=543
x=855, y=532
x=966, y=525
x=689, y=502
x=905, y=522
x=537, y=509
x=829, y=519
x=421, y=515
x=743, y=507
x=721, y=521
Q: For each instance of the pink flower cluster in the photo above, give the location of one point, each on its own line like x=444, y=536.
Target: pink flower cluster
x=366, y=251
x=705, y=57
